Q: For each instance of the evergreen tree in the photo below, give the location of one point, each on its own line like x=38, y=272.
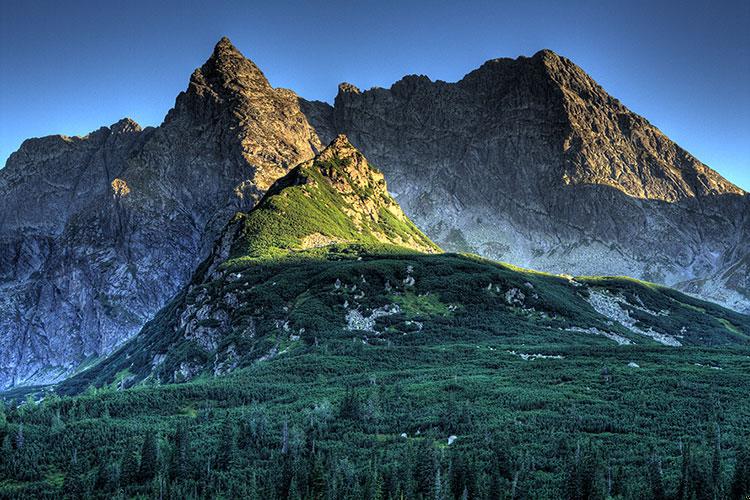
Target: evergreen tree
x=684, y=488
x=293, y=493
x=76, y=480
x=450, y=417
x=227, y=453
x=655, y=479
x=56, y=424
x=740, y=487
x=180, y=457
x=437, y=487
x=285, y=437
x=129, y=468
x=149, y=459
x=6, y=456
x=374, y=487
x=20, y=439
x=716, y=486
x=349, y=409
x=425, y=468
x=583, y=472
x=317, y=478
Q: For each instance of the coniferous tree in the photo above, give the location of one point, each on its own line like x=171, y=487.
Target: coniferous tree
x=716, y=486
x=56, y=424
x=180, y=457
x=6, y=455
x=76, y=480
x=317, y=478
x=285, y=437
x=740, y=487
x=149, y=459
x=656, y=478
x=227, y=452
x=684, y=488
x=425, y=469
x=293, y=493
x=129, y=467
x=583, y=472
x=20, y=439
x=349, y=409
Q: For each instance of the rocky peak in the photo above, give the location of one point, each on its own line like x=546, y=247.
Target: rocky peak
x=96, y=232
x=337, y=197
x=261, y=129
x=529, y=160
x=124, y=126
x=227, y=66
x=345, y=87
x=350, y=174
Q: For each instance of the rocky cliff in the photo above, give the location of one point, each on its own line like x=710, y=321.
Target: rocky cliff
x=97, y=232
x=530, y=161
x=327, y=263
x=525, y=160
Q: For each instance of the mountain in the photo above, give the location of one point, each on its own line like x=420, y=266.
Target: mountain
x=326, y=348
x=530, y=161
x=97, y=232
x=327, y=255
x=524, y=160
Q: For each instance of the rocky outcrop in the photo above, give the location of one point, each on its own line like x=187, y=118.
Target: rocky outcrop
x=525, y=160
x=97, y=232
x=532, y=162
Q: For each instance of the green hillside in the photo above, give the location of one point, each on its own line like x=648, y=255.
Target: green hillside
x=328, y=349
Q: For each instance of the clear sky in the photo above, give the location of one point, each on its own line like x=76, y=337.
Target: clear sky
x=71, y=66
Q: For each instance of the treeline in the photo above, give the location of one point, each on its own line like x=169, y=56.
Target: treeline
x=350, y=449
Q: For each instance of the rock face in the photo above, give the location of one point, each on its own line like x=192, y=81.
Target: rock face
x=526, y=160
x=530, y=161
x=371, y=277
x=96, y=233
x=332, y=208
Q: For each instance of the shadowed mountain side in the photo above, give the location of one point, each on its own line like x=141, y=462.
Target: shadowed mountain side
x=530, y=161
x=98, y=232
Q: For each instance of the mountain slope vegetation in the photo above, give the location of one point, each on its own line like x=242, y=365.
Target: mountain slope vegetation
x=328, y=349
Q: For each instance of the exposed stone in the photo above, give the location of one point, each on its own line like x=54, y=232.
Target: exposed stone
x=530, y=161
x=97, y=232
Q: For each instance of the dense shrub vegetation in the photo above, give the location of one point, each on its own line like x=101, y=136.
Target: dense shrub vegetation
x=361, y=370
x=328, y=421
x=344, y=413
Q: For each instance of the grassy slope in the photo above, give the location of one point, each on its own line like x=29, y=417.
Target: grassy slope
x=454, y=376
x=447, y=361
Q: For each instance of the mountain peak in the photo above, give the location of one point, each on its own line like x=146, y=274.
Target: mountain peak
x=228, y=64
x=224, y=50
x=125, y=125
x=339, y=147
x=346, y=87
x=225, y=44
x=337, y=197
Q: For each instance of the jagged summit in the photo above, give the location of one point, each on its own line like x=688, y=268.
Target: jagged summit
x=348, y=87
x=125, y=125
x=529, y=160
x=225, y=45
x=337, y=197
x=96, y=267
x=227, y=64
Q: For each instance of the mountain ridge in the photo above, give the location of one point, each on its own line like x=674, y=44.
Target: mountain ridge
x=86, y=262
x=572, y=181
x=87, y=225
x=328, y=255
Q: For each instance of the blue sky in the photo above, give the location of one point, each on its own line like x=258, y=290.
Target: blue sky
x=70, y=67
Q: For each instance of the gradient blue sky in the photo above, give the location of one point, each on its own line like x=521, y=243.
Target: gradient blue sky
x=70, y=67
